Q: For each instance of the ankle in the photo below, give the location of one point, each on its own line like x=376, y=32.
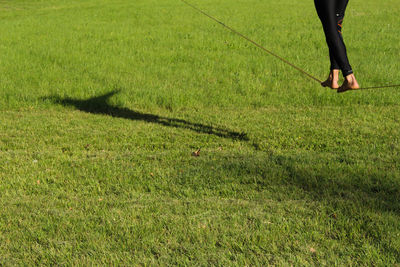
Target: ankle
x=334, y=74
x=349, y=78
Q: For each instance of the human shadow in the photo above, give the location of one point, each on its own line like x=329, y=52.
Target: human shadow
x=100, y=105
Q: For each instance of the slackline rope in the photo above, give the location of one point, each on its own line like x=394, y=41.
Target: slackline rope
x=275, y=55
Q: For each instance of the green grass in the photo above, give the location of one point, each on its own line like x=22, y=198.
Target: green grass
x=103, y=102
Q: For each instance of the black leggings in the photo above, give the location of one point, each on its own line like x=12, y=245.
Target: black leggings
x=331, y=14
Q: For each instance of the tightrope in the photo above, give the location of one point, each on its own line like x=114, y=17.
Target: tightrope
x=378, y=87
x=310, y=76
x=253, y=42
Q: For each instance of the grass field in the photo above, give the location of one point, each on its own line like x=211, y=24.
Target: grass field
x=103, y=102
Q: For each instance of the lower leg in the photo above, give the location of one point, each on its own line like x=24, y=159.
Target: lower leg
x=331, y=13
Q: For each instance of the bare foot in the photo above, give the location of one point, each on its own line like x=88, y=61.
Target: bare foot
x=350, y=83
x=332, y=80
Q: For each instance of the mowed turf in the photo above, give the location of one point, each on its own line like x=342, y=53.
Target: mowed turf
x=102, y=104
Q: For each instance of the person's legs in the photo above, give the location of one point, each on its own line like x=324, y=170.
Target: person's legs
x=331, y=14
x=350, y=80
x=334, y=37
x=341, y=6
x=339, y=13
x=333, y=79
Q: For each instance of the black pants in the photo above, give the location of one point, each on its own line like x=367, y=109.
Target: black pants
x=331, y=14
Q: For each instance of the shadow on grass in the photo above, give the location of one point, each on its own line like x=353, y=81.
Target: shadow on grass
x=99, y=105
x=372, y=187
x=349, y=193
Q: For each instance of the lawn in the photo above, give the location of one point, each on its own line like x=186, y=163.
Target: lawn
x=102, y=104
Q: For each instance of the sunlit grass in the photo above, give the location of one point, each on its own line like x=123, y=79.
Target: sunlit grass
x=103, y=102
